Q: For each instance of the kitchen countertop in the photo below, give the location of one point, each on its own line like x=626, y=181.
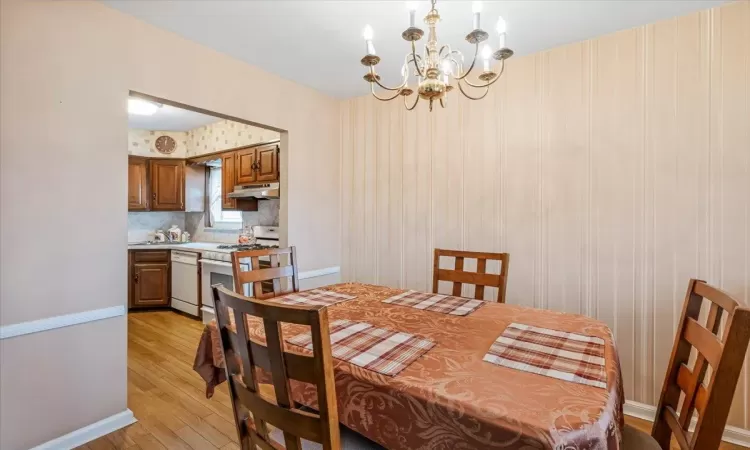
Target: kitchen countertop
x=197, y=247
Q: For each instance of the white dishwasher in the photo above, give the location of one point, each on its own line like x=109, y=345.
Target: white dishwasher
x=185, y=282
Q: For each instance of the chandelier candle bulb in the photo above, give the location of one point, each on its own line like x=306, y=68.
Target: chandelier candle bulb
x=476, y=8
x=501, y=31
x=368, y=34
x=412, y=7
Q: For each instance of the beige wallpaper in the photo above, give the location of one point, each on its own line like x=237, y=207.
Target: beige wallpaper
x=225, y=134
x=612, y=170
x=143, y=143
x=221, y=135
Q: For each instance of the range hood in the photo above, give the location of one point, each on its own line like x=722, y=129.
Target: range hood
x=256, y=190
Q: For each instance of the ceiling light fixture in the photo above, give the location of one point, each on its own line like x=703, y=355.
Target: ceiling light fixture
x=142, y=107
x=436, y=61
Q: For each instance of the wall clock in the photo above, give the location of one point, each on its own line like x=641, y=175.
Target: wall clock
x=165, y=145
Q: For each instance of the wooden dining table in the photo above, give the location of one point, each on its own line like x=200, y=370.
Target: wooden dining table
x=450, y=398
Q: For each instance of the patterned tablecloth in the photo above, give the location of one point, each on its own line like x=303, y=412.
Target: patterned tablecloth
x=450, y=398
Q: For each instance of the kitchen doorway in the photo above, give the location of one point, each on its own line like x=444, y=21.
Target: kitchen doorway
x=199, y=182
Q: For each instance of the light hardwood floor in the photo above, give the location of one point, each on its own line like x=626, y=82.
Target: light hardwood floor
x=168, y=399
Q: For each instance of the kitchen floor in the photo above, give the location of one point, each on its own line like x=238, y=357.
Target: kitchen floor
x=168, y=397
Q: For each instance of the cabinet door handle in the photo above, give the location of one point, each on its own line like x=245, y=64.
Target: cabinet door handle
x=153, y=196
x=135, y=278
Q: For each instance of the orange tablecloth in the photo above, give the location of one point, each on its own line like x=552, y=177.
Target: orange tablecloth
x=450, y=398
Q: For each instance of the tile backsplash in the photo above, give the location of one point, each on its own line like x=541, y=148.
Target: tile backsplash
x=267, y=214
x=142, y=225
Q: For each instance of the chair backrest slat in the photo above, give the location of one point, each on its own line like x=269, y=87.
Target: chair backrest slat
x=480, y=279
x=256, y=274
x=282, y=366
x=725, y=354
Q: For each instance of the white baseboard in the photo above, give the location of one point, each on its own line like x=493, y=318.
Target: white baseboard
x=89, y=433
x=733, y=435
x=67, y=320
x=319, y=272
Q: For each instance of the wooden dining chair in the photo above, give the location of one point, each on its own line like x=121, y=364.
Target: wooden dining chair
x=291, y=423
x=725, y=355
x=266, y=277
x=479, y=279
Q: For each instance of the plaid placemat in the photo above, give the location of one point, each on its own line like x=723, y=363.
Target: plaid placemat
x=446, y=304
x=359, y=343
x=557, y=354
x=313, y=297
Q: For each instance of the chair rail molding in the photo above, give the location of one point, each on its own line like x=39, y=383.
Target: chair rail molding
x=55, y=322
x=319, y=272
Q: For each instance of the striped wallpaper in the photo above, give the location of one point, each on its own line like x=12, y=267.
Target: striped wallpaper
x=612, y=170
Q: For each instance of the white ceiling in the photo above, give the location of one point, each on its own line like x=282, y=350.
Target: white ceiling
x=169, y=118
x=319, y=43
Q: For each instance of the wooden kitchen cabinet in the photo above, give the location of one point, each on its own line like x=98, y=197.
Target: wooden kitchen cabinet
x=138, y=189
x=246, y=166
x=258, y=164
x=228, y=180
x=267, y=167
x=149, y=285
x=167, y=184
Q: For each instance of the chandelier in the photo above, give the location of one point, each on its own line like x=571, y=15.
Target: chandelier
x=439, y=68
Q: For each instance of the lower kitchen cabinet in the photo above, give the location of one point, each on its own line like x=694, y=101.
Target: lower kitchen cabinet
x=149, y=279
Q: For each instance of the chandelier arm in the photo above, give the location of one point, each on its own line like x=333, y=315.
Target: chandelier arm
x=491, y=82
x=461, y=88
x=442, y=104
x=413, y=105
x=473, y=62
x=414, y=58
x=382, y=99
x=372, y=71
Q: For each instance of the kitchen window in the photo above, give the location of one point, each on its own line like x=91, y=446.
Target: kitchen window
x=218, y=218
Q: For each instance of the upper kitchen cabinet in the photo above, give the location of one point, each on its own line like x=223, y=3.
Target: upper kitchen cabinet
x=167, y=185
x=258, y=164
x=267, y=166
x=138, y=191
x=247, y=162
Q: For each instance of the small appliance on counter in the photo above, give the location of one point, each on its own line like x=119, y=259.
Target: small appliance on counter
x=159, y=236
x=174, y=233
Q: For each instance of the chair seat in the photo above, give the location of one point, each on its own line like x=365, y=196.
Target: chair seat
x=635, y=439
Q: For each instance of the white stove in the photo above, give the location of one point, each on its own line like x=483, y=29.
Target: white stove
x=216, y=265
x=265, y=237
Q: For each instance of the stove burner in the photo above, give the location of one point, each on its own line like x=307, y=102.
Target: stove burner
x=244, y=247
